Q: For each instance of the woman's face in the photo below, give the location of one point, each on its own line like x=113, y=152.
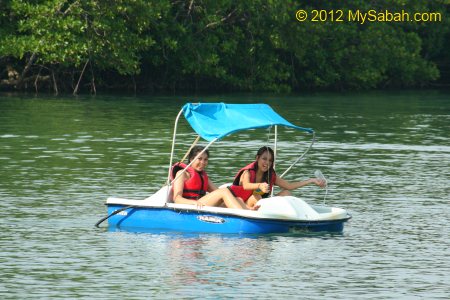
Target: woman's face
x=265, y=161
x=200, y=163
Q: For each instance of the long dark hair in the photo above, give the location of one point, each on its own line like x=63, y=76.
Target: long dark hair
x=196, y=150
x=271, y=170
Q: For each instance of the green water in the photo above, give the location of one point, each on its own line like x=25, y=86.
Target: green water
x=386, y=155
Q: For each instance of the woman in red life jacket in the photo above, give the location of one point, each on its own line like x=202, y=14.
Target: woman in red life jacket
x=193, y=184
x=255, y=181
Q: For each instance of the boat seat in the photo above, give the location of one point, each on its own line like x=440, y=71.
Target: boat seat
x=225, y=185
x=164, y=195
x=170, y=197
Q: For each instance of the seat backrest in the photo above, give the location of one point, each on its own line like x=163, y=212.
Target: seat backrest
x=170, y=196
x=161, y=197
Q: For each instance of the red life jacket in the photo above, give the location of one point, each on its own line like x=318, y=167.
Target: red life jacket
x=196, y=186
x=239, y=191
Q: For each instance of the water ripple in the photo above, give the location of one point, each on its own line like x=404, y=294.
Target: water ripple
x=386, y=164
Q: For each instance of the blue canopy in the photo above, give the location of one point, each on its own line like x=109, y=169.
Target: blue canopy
x=217, y=120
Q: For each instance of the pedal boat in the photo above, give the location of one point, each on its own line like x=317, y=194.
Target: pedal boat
x=213, y=121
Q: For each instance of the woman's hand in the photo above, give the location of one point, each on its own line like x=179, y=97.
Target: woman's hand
x=319, y=182
x=200, y=204
x=255, y=207
x=264, y=187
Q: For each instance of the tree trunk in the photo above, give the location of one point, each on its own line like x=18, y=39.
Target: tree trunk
x=55, y=85
x=75, y=91
x=25, y=70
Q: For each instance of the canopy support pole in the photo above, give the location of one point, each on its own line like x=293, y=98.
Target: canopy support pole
x=190, y=148
x=301, y=156
x=169, y=183
x=173, y=145
x=275, y=153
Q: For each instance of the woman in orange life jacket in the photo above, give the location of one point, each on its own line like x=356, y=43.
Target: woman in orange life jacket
x=255, y=181
x=192, y=186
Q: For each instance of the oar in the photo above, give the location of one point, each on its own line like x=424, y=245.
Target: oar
x=113, y=213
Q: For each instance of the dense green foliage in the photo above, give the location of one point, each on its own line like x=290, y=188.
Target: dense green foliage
x=217, y=45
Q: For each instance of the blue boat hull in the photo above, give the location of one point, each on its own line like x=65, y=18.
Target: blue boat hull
x=182, y=220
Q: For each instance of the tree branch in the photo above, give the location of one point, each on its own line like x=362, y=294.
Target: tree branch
x=221, y=20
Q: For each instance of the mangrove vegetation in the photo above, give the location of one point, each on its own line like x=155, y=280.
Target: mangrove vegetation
x=78, y=46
